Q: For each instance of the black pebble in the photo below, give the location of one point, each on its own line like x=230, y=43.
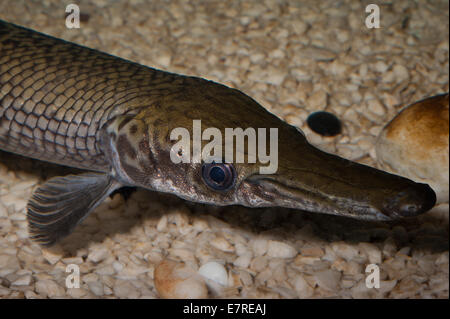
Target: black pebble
x=324, y=123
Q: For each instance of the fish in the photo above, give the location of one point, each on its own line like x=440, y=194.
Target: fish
x=67, y=104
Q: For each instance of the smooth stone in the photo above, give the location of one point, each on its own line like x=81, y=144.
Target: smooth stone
x=415, y=144
x=324, y=123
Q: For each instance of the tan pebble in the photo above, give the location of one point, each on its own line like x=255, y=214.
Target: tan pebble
x=246, y=278
x=96, y=287
x=442, y=259
x=380, y=67
x=243, y=261
x=373, y=252
x=301, y=286
x=259, y=246
x=162, y=224
x=178, y=281
x=258, y=263
x=278, y=249
x=387, y=285
x=18, y=203
x=344, y=250
x=389, y=247
x=22, y=281
x=77, y=293
x=3, y=211
x=49, y=288
x=52, y=255
x=4, y=292
x=317, y=54
x=317, y=101
x=72, y=260
x=200, y=224
x=401, y=73
x=360, y=291
x=105, y=270
x=328, y=279
x=415, y=144
x=311, y=251
x=301, y=74
x=375, y=107
x=222, y=244
x=125, y=290
x=274, y=76
x=98, y=253
x=30, y=295
x=305, y=260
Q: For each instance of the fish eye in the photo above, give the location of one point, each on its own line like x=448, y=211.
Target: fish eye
x=218, y=176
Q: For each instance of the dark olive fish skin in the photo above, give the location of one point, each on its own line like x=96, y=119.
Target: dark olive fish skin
x=71, y=105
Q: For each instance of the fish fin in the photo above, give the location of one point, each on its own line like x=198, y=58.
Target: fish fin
x=61, y=203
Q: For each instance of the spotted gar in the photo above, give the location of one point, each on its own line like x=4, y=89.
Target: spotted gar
x=67, y=104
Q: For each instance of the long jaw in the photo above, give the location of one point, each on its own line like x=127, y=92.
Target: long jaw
x=358, y=191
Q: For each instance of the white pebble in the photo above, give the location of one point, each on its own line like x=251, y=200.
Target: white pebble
x=215, y=272
x=259, y=246
x=278, y=249
x=243, y=261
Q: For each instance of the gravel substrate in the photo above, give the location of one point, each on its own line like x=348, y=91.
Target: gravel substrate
x=292, y=58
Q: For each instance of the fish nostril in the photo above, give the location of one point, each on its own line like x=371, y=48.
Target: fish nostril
x=408, y=209
x=410, y=202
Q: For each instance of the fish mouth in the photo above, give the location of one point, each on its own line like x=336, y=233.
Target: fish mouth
x=399, y=198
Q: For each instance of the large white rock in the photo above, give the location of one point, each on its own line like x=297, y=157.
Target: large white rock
x=415, y=144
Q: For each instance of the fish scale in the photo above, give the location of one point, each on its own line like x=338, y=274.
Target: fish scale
x=56, y=95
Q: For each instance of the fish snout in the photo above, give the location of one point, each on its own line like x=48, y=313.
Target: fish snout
x=410, y=202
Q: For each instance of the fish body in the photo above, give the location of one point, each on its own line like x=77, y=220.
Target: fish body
x=71, y=105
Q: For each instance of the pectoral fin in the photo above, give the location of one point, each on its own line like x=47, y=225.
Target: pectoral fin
x=63, y=202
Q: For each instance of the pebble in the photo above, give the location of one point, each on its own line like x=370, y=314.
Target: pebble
x=98, y=254
x=324, y=123
x=303, y=289
x=222, y=244
x=372, y=252
x=214, y=271
x=3, y=211
x=345, y=251
x=259, y=246
x=242, y=261
x=52, y=256
x=375, y=107
x=419, y=152
x=178, y=281
x=22, y=281
x=317, y=101
x=278, y=249
x=125, y=290
x=49, y=288
x=328, y=279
